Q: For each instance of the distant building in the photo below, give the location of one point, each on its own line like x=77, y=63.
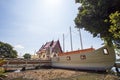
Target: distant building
x=34, y=57
x=49, y=50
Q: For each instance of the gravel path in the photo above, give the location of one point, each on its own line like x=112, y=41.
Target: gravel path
x=58, y=74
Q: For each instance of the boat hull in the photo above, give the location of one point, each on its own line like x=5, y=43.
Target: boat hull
x=95, y=60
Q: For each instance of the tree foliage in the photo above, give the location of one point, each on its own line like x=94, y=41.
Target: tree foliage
x=115, y=24
x=7, y=51
x=115, y=27
x=101, y=18
x=27, y=56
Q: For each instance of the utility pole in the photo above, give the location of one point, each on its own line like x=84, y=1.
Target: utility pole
x=80, y=38
x=71, y=40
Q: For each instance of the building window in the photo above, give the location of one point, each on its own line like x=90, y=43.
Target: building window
x=82, y=57
x=105, y=51
x=68, y=58
x=48, y=57
x=55, y=55
x=43, y=56
x=39, y=56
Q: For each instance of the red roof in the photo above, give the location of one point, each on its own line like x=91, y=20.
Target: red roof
x=77, y=51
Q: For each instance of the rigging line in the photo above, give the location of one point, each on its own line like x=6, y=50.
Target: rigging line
x=79, y=34
x=74, y=32
x=80, y=39
x=66, y=36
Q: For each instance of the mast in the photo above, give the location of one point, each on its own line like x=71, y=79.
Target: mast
x=63, y=43
x=71, y=40
x=80, y=39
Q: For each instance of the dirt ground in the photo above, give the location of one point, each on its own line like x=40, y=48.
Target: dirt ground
x=59, y=74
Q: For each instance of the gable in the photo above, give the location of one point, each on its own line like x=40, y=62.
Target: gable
x=53, y=45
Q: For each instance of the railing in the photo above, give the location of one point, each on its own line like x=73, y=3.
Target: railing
x=24, y=63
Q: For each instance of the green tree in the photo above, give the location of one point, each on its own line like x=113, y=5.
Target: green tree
x=96, y=16
x=27, y=56
x=7, y=51
x=115, y=27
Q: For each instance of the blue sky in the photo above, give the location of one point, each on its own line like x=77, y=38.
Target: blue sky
x=28, y=24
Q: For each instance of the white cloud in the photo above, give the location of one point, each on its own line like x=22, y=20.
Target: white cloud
x=18, y=47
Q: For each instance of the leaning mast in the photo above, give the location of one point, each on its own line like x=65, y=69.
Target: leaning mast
x=80, y=39
x=63, y=43
x=71, y=40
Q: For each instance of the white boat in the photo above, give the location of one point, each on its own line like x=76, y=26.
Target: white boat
x=101, y=59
